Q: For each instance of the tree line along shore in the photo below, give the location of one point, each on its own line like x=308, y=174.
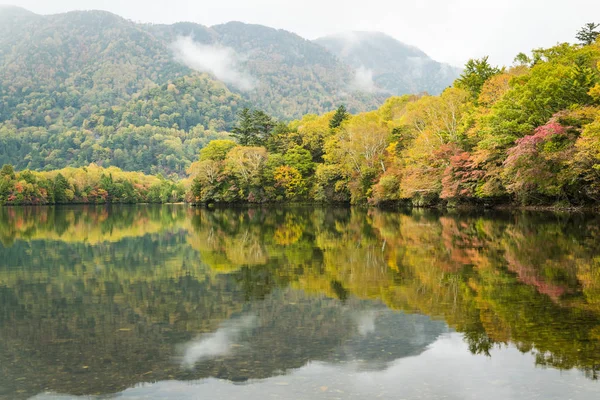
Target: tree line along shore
x=526, y=135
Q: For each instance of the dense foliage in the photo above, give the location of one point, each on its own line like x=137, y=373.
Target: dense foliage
x=42, y=83
x=526, y=134
x=160, y=131
x=91, y=184
x=74, y=85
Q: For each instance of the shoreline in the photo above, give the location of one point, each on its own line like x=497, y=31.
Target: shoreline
x=388, y=206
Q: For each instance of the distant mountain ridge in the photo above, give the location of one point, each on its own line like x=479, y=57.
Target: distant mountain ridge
x=76, y=87
x=294, y=76
x=396, y=67
x=107, y=60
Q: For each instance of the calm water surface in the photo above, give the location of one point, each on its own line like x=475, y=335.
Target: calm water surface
x=171, y=302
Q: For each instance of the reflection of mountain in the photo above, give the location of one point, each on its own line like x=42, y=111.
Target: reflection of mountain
x=107, y=347
x=385, y=336
x=289, y=329
x=98, y=316
x=103, y=333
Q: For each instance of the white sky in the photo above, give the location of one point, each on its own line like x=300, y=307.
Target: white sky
x=448, y=30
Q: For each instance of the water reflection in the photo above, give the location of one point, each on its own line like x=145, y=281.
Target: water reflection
x=97, y=300
x=432, y=375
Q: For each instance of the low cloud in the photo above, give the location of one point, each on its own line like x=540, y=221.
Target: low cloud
x=222, y=62
x=218, y=343
x=363, y=81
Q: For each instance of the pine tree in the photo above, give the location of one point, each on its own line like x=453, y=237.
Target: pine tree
x=245, y=127
x=340, y=116
x=588, y=34
x=263, y=127
x=253, y=128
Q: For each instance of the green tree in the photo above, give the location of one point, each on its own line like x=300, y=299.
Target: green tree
x=60, y=189
x=300, y=159
x=217, y=150
x=7, y=174
x=263, y=127
x=196, y=191
x=254, y=127
x=588, y=34
x=477, y=71
x=339, y=117
x=522, y=59
x=244, y=130
x=7, y=171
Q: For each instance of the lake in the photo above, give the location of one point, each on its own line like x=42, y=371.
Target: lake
x=174, y=302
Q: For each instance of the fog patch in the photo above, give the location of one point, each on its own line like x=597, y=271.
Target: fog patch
x=222, y=62
x=363, y=80
x=218, y=343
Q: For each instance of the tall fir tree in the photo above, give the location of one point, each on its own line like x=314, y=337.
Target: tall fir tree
x=588, y=34
x=244, y=130
x=340, y=116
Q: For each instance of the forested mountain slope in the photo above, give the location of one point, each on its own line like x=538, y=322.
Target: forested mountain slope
x=64, y=68
x=289, y=76
x=91, y=87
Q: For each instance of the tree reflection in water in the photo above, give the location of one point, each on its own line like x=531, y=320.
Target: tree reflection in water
x=94, y=300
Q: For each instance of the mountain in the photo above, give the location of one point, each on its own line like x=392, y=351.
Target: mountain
x=394, y=66
x=66, y=67
x=289, y=76
x=13, y=14
x=61, y=69
x=75, y=86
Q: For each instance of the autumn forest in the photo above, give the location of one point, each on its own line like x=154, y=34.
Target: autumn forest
x=527, y=134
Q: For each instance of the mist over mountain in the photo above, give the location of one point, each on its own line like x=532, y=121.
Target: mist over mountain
x=76, y=87
x=392, y=65
x=97, y=60
x=276, y=70
x=99, y=53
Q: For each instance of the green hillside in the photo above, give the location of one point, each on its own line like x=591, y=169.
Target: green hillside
x=91, y=87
